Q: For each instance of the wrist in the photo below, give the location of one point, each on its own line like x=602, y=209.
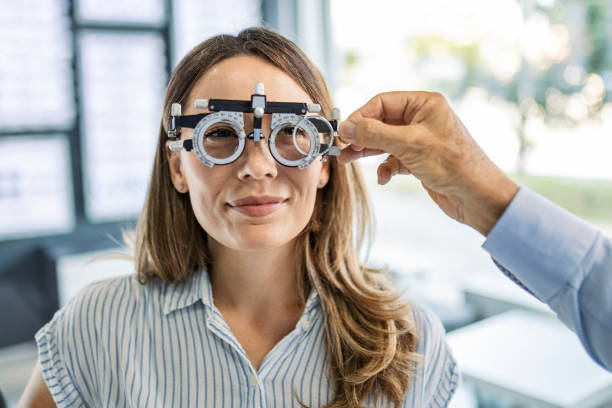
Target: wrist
x=485, y=206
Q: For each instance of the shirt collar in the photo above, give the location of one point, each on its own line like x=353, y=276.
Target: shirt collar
x=179, y=295
x=311, y=302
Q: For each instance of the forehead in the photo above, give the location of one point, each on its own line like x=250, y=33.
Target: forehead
x=235, y=78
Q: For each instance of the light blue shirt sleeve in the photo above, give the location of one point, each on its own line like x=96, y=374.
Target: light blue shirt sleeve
x=561, y=260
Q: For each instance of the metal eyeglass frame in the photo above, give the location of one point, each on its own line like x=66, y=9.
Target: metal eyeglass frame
x=231, y=113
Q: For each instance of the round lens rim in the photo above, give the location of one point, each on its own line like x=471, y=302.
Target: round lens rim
x=234, y=120
x=332, y=132
x=294, y=120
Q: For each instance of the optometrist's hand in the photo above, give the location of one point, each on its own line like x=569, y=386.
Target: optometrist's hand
x=425, y=138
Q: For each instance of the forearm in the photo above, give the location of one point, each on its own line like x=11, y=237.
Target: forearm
x=586, y=305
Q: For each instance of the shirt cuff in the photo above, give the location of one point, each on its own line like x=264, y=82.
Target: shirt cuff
x=540, y=243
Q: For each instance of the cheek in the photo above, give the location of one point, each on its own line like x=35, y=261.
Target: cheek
x=315, y=173
x=205, y=185
x=308, y=181
x=203, y=206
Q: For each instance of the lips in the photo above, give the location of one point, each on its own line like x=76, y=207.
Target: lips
x=257, y=200
x=257, y=206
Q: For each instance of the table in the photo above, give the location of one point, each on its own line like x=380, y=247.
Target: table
x=532, y=359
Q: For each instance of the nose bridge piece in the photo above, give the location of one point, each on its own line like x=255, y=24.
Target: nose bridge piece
x=258, y=106
x=259, y=127
x=256, y=138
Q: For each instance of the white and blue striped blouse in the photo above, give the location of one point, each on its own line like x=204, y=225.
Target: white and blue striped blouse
x=122, y=344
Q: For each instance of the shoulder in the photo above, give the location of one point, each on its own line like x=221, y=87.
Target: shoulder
x=68, y=345
x=98, y=305
x=109, y=291
x=431, y=340
x=429, y=327
x=439, y=371
x=103, y=296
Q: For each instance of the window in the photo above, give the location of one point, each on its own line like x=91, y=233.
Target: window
x=35, y=186
x=82, y=86
x=122, y=84
x=531, y=81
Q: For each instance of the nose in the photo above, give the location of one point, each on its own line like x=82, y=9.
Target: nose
x=256, y=161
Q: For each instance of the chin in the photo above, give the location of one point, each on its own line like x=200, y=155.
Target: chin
x=260, y=237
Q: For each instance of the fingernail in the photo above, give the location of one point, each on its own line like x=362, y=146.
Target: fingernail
x=383, y=176
x=347, y=130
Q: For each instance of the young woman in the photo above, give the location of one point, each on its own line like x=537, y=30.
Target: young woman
x=248, y=290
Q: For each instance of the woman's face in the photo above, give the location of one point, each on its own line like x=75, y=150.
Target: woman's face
x=253, y=203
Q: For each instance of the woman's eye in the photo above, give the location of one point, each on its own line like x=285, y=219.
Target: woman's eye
x=289, y=131
x=220, y=133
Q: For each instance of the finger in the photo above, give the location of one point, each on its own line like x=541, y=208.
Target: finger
x=387, y=169
x=394, y=108
x=385, y=172
x=393, y=139
x=348, y=155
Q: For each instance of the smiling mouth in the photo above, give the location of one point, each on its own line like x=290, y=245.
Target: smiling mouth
x=257, y=206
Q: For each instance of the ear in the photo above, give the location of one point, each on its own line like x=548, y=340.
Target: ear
x=176, y=170
x=323, y=174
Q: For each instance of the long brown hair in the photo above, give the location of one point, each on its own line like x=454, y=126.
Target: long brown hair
x=369, y=331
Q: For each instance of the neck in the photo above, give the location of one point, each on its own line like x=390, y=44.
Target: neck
x=254, y=282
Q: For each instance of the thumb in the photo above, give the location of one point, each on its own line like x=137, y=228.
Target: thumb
x=374, y=134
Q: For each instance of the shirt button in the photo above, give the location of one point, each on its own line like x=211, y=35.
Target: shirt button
x=306, y=324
